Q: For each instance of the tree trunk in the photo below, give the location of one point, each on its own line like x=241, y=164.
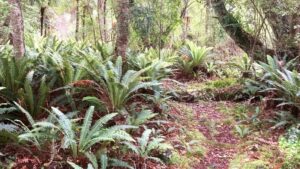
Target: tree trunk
x=17, y=28
x=85, y=8
x=122, y=28
x=284, y=28
x=42, y=20
x=77, y=21
x=102, y=19
x=250, y=44
x=185, y=19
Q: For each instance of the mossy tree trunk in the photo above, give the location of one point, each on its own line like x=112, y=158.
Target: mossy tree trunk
x=250, y=44
x=284, y=27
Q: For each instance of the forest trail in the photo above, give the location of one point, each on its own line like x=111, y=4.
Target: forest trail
x=212, y=124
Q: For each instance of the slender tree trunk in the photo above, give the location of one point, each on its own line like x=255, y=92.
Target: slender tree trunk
x=185, y=20
x=102, y=19
x=122, y=28
x=17, y=28
x=42, y=20
x=83, y=21
x=77, y=20
x=209, y=37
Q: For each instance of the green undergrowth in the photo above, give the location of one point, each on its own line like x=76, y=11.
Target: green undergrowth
x=191, y=142
x=220, y=89
x=238, y=111
x=242, y=161
x=212, y=85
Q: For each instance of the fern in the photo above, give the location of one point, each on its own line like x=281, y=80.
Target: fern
x=105, y=162
x=192, y=58
x=146, y=145
x=139, y=118
x=8, y=127
x=118, y=87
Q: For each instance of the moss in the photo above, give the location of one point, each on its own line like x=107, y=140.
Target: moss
x=291, y=149
x=194, y=143
x=195, y=135
x=211, y=85
x=242, y=161
x=221, y=83
x=221, y=89
x=238, y=111
x=181, y=161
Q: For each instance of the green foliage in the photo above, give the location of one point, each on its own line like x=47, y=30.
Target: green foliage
x=287, y=85
x=160, y=66
x=104, y=161
x=242, y=130
x=118, y=86
x=273, y=65
x=20, y=84
x=244, y=65
x=244, y=162
x=12, y=72
x=211, y=68
x=283, y=119
x=89, y=134
x=4, y=29
x=153, y=21
x=192, y=58
x=139, y=118
x=277, y=77
x=58, y=60
x=146, y=145
x=221, y=83
x=34, y=99
x=290, y=144
x=6, y=111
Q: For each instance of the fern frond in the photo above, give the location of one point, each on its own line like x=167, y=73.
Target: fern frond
x=143, y=141
x=86, y=125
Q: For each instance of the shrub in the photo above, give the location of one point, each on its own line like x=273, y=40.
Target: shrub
x=78, y=141
x=120, y=87
x=244, y=65
x=192, y=58
x=147, y=145
x=278, y=78
x=160, y=66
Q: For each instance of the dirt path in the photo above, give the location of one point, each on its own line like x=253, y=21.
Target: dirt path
x=224, y=147
x=212, y=125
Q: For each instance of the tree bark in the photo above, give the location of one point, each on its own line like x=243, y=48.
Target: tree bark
x=247, y=42
x=17, y=28
x=42, y=20
x=122, y=28
x=185, y=19
x=85, y=8
x=77, y=21
x=102, y=19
